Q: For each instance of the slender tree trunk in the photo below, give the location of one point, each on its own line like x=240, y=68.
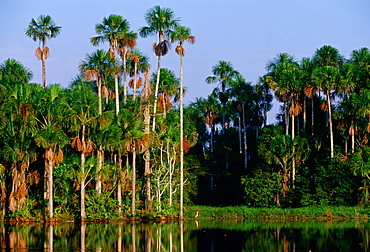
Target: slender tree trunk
x=135, y=80
x=43, y=66
x=286, y=119
x=157, y=84
x=117, y=93
x=181, y=141
x=100, y=109
x=49, y=154
x=119, y=186
x=353, y=135
x=330, y=125
x=304, y=113
x=133, y=200
x=245, y=140
x=83, y=176
x=147, y=169
x=156, y=92
x=98, y=184
x=293, y=159
x=312, y=116
x=240, y=134
x=124, y=76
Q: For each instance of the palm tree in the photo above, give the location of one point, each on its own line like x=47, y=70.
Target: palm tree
x=242, y=91
x=18, y=128
x=326, y=79
x=51, y=136
x=160, y=21
x=125, y=44
x=112, y=30
x=138, y=64
x=168, y=88
x=42, y=29
x=96, y=67
x=223, y=74
x=327, y=59
x=275, y=66
x=181, y=34
x=82, y=114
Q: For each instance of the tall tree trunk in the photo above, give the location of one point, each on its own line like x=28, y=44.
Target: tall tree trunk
x=157, y=83
x=156, y=92
x=330, y=125
x=147, y=168
x=312, y=116
x=133, y=199
x=304, y=113
x=181, y=141
x=119, y=186
x=353, y=135
x=245, y=140
x=135, y=80
x=49, y=155
x=100, y=107
x=124, y=76
x=83, y=177
x=293, y=159
x=98, y=184
x=117, y=93
x=43, y=66
x=240, y=134
x=286, y=119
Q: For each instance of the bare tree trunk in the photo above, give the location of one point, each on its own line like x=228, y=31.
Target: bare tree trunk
x=245, y=140
x=43, y=68
x=124, y=76
x=135, y=81
x=100, y=107
x=133, y=201
x=117, y=93
x=147, y=169
x=181, y=141
x=49, y=155
x=156, y=92
x=98, y=184
x=330, y=126
x=83, y=177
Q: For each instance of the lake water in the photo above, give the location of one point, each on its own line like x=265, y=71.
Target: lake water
x=189, y=236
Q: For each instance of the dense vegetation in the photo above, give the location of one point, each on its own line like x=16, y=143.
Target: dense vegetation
x=119, y=143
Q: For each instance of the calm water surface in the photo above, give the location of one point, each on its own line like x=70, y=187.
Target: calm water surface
x=189, y=236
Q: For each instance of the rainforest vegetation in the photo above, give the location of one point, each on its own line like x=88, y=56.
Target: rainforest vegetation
x=119, y=142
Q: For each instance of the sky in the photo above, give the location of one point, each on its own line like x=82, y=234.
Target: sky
x=244, y=32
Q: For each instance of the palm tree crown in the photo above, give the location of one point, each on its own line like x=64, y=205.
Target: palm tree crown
x=42, y=29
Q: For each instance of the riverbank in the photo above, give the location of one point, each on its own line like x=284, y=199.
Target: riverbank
x=243, y=212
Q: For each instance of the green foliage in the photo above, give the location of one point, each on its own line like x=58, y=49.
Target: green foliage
x=101, y=207
x=261, y=189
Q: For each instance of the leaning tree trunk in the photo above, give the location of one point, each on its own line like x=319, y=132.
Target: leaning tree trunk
x=157, y=82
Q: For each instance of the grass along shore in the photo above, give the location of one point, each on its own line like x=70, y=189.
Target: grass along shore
x=243, y=212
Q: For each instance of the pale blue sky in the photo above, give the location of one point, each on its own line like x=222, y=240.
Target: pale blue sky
x=246, y=33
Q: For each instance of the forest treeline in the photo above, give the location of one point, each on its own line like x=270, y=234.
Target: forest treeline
x=118, y=142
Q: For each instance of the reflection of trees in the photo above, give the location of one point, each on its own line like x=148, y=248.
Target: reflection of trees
x=350, y=235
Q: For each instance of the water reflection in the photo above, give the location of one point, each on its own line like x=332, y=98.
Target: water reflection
x=201, y=235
